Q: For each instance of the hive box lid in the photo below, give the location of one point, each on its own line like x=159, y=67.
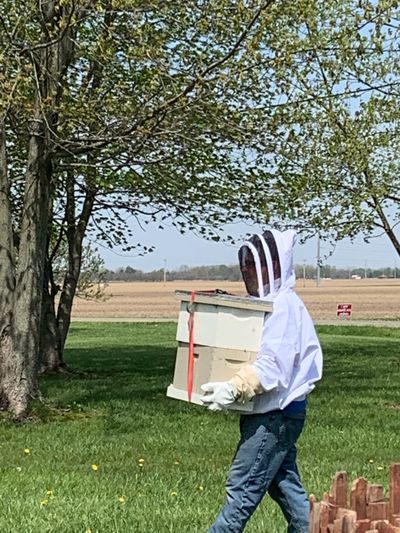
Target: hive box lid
x=226, y=300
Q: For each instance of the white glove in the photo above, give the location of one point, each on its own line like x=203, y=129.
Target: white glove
x=218, y=395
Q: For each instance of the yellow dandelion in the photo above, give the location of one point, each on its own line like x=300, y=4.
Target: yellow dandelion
x=50, y=494
x=27, y=451
x=176, y=462
x=19, y=469
x=380, y=467
x=371, y=461
x=95, y=468
x=43, y=503
x=121, y=499
x=88, y=531
x=173, y=493
x=201, y=487
x=141, y=461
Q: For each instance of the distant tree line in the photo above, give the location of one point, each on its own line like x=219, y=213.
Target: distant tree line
x=232, y=273
x=209, y=272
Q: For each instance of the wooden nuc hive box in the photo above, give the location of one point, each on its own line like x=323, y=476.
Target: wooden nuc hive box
x=216, y=334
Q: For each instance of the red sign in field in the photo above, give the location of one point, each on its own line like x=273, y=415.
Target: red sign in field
x=343, y=310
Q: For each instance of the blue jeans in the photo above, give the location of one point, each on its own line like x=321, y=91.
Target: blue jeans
x=265, y=461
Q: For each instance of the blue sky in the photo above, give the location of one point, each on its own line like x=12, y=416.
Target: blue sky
x=174, y=250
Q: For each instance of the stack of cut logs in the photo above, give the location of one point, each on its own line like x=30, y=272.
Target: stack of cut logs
x=364, y=510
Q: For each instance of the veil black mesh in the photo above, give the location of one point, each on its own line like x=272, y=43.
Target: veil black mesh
x=248, y=266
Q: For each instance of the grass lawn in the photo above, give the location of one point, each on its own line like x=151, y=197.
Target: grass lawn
x=118, y=456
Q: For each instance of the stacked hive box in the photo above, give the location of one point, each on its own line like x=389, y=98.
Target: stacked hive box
x=227, y=333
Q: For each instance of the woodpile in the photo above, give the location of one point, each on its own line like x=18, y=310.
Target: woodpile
x=363, y=509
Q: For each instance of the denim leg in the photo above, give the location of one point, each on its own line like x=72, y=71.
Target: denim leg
x=263, y=446
x=287, y=490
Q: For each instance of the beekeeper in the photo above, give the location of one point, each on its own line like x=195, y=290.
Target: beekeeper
x=284, y=373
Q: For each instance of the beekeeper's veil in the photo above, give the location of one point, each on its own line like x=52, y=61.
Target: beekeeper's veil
x=266, y=262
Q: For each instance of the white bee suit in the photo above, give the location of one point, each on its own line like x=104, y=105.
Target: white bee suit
x=290, y=358
x=287, y=366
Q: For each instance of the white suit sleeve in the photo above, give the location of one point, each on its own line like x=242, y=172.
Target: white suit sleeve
x=279, y=347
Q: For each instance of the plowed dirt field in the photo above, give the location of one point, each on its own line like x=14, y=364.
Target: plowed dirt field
x=377, y=299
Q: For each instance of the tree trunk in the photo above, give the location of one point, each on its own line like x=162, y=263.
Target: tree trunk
x=75, y=236
x=20, y=342
x=51, y=360
x=21, y=292
x=388, y=228
x=384, y=222
x=55, y=325
x=7, y=271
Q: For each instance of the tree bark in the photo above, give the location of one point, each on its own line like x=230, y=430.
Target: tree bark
x=51, y=359
x=21, y=301
x=75, y=236
x=56, y=320
x=384, y=221
x=7, y=271
x=388, y=227
x=21, y=342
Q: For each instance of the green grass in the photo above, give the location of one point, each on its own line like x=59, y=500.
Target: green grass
x=118, y=413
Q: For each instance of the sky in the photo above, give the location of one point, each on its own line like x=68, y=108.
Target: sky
x=173, y=250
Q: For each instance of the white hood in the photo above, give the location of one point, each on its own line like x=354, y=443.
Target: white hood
x=290, y=358
x=262, y=258
x=285, y=242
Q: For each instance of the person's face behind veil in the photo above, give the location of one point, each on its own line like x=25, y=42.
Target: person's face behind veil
x=249, y=272
x=248, y=265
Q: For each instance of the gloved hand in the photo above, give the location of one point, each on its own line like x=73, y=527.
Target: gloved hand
x=219, y=395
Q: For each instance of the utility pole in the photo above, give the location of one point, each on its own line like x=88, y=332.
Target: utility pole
x=318, y=260
x=165, y=272
x=365, y=269
x=304, y=272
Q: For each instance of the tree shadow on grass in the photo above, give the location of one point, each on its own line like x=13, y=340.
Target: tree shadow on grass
x=114, y=374
x=108, y=361
x=137, y=375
